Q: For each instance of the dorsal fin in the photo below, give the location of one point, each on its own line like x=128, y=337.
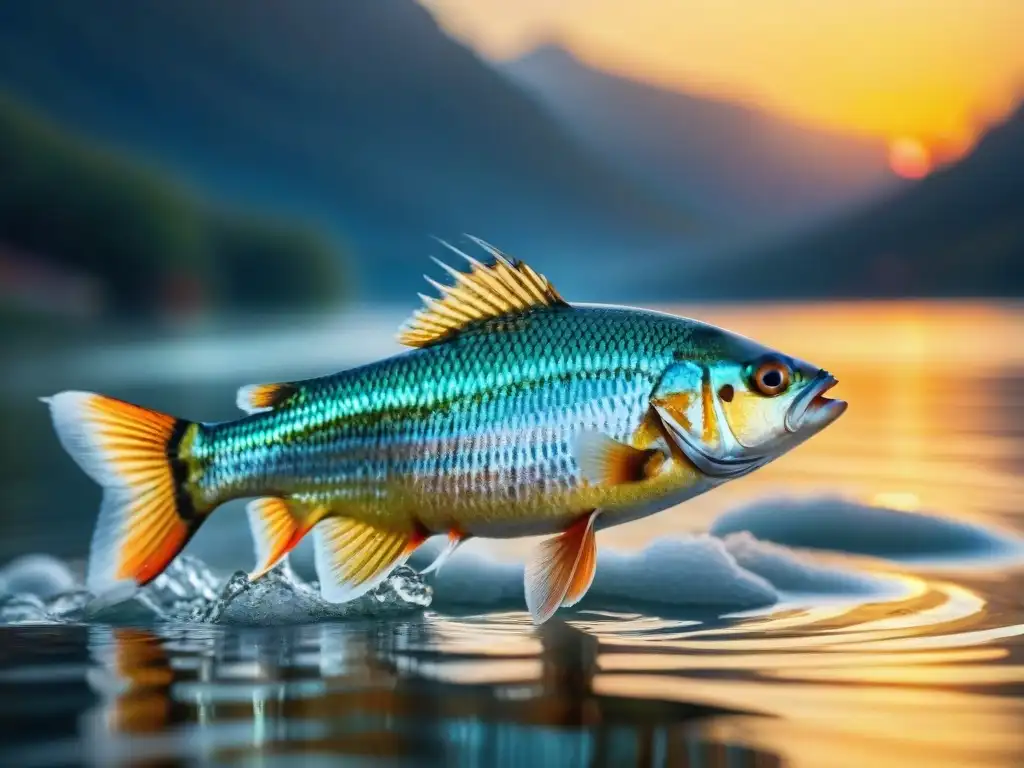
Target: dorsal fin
x=506, y=287
x=257, y=398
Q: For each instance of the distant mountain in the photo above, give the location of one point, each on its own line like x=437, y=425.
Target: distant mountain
x=958, y=232
x=360, y=114
x=745, y=168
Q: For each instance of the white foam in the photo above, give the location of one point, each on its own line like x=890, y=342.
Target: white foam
x=696, y=571
x=735, y=573
x=790, y=573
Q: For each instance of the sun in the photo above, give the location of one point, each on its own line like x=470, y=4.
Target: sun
x=909, y=158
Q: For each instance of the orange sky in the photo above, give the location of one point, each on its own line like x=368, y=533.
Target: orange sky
x=924, y=70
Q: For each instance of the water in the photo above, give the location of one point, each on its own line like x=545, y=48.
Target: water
x=856, y=603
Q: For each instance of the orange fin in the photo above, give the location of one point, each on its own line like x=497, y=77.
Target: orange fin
x=277, y=525
x=140, y=458
x=455, y=538
x=561, y=570
x=607, y=462
x=257, y=398
x=506, y=287
x=353, y=557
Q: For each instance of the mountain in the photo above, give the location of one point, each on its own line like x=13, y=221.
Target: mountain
x=958, y=232
x=744, y=168
x=358, y=115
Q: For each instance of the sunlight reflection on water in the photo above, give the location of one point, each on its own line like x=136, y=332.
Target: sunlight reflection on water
x=931, y=673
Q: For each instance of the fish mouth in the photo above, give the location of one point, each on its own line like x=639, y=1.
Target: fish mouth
x=725, y=467
x=812, y=408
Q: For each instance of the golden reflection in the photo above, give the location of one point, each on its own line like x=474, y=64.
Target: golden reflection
x=954, y=640
x=927, y=616
x=884, y=727
x=797, y=664
x=955, y=608
x=813, y=746
x=135, y=673
x=901, y=500
x=937, y=674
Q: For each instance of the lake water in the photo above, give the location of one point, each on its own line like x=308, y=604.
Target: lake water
x=858, y=602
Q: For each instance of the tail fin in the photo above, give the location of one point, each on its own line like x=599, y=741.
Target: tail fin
x=138, y=456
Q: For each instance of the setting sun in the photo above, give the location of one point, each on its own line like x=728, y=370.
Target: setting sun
x=909, y=158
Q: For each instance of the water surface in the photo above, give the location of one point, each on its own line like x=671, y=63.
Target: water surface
x=882, y=627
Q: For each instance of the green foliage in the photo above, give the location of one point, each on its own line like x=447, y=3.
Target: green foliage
x=270, y=263
x=97, y=213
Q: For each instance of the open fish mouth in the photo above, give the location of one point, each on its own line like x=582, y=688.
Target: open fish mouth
x=812, y=408
x=726, y=467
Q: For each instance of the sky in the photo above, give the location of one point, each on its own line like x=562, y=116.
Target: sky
x=922, y=74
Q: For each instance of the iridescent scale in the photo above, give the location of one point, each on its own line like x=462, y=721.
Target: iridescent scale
x=477, y=431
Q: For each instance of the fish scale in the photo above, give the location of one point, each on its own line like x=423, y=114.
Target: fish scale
x=482, y=426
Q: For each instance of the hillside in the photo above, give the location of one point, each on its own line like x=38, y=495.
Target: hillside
x=958, y=232
x=744, y=168
x=360, y=115
x=73, y=209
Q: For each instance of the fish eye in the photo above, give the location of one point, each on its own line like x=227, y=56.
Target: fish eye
x=772, y=377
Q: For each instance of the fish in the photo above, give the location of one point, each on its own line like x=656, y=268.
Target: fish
x=513, y=413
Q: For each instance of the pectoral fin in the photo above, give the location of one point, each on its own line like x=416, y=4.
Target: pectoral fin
x=561, y=570
x=353, y=557
x=604, y=461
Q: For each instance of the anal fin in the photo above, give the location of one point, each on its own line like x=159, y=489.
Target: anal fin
x=352, y=557
x=277, y=525
x=561, y=570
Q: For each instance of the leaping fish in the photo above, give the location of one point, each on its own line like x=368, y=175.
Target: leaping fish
x=514, y=414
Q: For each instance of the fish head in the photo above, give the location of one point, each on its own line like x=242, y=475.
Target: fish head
x=732, y=405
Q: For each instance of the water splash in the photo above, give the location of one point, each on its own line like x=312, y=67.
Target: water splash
x=280, y=597
x=190, y=592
